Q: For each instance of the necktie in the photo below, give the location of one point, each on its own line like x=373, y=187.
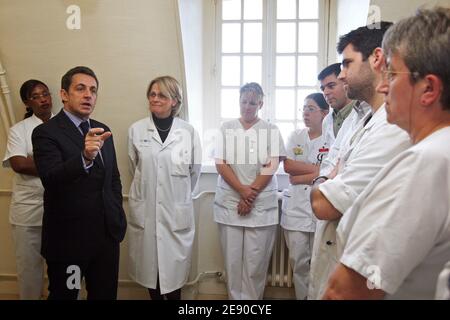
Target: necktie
x=84, y=126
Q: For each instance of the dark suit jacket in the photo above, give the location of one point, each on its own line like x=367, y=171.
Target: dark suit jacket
x=81, y=209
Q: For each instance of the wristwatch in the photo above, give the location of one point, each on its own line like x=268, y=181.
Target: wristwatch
x=319, y=178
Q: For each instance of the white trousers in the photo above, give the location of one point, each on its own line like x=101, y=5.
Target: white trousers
x=247, y=253
x=300, y=247
x=29, y=262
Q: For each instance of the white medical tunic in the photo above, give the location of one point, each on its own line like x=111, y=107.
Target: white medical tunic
x=398, y=232
x=246, y=152
x=27, y=199
x=296, y=209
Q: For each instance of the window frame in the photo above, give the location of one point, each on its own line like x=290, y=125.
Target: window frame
x=268, y=54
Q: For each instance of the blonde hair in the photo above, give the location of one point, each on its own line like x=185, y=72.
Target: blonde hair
x=169, y=87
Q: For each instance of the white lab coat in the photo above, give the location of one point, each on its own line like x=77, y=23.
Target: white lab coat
x=370, y=148
x=161, y=220
x=339, y=142
x=397, y=234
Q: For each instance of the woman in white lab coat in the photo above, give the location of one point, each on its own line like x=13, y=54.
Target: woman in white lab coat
x=26, y=207
x=165, y=159
x=246, y=200
x=305, y=150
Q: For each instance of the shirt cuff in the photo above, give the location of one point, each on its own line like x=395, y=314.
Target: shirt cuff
x=85, y=166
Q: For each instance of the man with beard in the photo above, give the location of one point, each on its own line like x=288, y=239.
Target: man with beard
x=373, y=143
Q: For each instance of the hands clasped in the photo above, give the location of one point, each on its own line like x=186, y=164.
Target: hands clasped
x=94, y=142
x=248, y=196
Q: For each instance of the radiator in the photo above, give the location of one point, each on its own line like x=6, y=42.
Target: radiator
x=280, y=271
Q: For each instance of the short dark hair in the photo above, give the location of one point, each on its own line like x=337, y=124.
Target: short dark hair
x=364, y=39
x=319, y=99
x=66, y=80
x=332, y=68
x=25, y=93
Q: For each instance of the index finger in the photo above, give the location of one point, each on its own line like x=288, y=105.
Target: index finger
x=94, y=131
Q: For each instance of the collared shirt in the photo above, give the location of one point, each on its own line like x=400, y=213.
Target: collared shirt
x=340, y=115
x=76, y=121
x=341, y=141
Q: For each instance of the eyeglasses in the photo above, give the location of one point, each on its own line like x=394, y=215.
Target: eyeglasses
x=389, y=74
x=160, y=96
x=310, y=109
x=38, y=96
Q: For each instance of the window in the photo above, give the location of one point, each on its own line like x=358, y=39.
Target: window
x=280, y=44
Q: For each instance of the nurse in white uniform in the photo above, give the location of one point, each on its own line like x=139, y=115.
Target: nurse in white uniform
x=26, y=208
x=165, y=159
x=246, y=203
x=305, y=150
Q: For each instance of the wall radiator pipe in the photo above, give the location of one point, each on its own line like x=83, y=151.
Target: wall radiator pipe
x=6, y=94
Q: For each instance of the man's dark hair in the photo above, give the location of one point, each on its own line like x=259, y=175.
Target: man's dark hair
x=67, y=78
x=364, y=39
x=332, y=68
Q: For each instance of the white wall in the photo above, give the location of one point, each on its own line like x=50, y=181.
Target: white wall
x=395, y=10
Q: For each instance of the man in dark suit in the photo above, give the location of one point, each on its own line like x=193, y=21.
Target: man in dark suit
x=84, y=221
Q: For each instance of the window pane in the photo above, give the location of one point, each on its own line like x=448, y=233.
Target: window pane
x=285, y=104
x=285, y=128
x=231, y=37
x=252, y=37
x=252, y=69
x=253, y=9
x=307, y=70
x=308, y=9
x=231, y=69
x=229, y=103
x=231, y=9
x=285, y=71
x=301, y=94
x=286, y=9
x=308, y=33
x=285, y=37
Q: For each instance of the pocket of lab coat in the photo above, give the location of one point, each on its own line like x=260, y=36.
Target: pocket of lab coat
x=181, y=170
x=181, y=183
x=137, y=212
x=266, y=201
x=182, y=217
x=138, y=187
